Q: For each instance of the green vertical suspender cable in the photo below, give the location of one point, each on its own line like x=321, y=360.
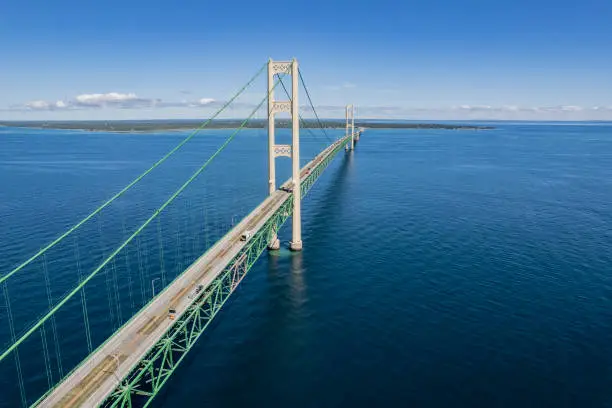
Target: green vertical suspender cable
x=13, y=338
x=136, y=180
x=58, y=354
x=135, y=234
x=108, y=292
x=43, y=336
x=77, y=258
x=43, y=333
x=127, y=267
x=117, y=296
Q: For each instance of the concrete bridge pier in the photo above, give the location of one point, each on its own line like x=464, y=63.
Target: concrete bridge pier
x=274, y=243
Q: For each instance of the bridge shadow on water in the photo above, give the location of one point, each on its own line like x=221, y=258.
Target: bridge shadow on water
x=332, y=203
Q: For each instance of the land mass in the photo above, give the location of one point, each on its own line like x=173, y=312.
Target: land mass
x=160, y=125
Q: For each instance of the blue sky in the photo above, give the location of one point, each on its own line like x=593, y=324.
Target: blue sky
x=493, y=59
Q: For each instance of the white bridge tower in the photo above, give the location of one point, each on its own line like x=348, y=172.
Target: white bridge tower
x=293, y=150
x=350, y=124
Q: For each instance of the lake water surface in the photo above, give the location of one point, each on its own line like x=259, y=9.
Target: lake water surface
x=440, y=268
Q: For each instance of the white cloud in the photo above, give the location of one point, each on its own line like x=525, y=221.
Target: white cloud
x=206, y=101
x=476, y=112
x=560, y=108
x=522, y=109
x=38, y=105
x=344, y=86
x=511, y=108
x=132, y=101
x=99, y=99
x=44, y=105
x=474, y=107
x=571, y=108
x=109, y=100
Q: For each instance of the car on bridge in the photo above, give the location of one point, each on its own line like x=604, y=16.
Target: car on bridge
x=171, y=314
x=196, y=292
x=246, y=235
x=287, y=189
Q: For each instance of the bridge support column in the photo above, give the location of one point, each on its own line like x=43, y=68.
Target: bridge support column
x=296, y=237
x=271, y=125
x=274, y=242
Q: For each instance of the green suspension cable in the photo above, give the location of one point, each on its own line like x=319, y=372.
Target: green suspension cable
x=185, y=231
x=109, y=297
x=161, y=253
x=141, y=272
x=127, y=267
x=117, y=296
x=58, y=354
x=178, y=260
x=204, y=226
x=194, y=248
x=77, y=256
x=135, y=181
x=147, y=268
x=107, y=279
x=9, y=313
x=66, y=298
x=43, y=336
x=197, y=231
x=206, y=229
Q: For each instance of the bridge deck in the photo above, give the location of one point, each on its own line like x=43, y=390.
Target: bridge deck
x=90, y=383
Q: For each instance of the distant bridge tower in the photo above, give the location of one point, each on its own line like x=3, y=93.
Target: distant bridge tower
x=358, y=134
x=350, y=124
x=293, y=150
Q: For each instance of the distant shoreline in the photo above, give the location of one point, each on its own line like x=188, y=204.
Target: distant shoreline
x=154, y=125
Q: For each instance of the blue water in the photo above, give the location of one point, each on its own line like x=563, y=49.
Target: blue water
x=441, y=268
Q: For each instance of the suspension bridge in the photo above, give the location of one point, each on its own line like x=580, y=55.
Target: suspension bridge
x=126, y=359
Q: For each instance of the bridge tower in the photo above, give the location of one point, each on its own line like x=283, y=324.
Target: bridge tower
x=293, y=150
x=350, y=124
x=358, y=134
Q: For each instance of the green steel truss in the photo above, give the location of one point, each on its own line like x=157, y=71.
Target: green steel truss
x=309, y=181
x=145, y=381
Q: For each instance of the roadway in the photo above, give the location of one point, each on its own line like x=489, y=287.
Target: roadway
x=91, y=382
